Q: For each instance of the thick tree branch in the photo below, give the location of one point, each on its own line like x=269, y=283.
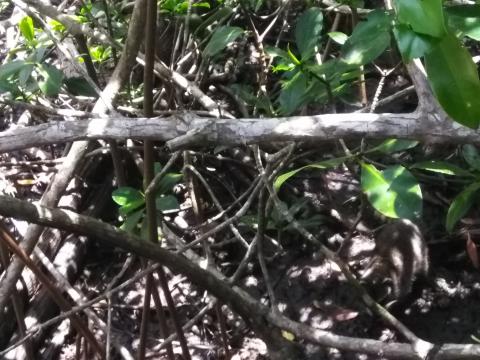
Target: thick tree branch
x=186, y=130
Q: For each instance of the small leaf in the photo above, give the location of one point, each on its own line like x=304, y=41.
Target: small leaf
x=441, y=167
x=471, y=156
x=27, y=29
x=283, y=67
x=338, y=37
x=52, y=79
x=288, y=335
x=395, y=145
x=274, y=52
x=125, y=195
x=56, y=25
x=168, y=181
x=394, y=192
x=132, y=220
x=461, y=204
x=308, y=31
x=128, y=198
x=221, y=38
x=280, y=180
x=292, y=56
x=454, y=79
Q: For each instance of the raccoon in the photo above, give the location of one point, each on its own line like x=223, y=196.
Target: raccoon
x=400, y=254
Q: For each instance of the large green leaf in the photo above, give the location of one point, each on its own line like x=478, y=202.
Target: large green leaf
x=411, y=44
x=460, y=205
x=368, y=40
x=394, y=192
x=308, y=31
x=221, y=38
x=465, y=19
x=424, y=16
x=454, y=80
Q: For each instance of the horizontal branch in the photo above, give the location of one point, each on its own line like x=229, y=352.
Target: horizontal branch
x=240, y=302
x=187, y=130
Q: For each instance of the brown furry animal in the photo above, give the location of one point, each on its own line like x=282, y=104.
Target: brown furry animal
x=400, y=254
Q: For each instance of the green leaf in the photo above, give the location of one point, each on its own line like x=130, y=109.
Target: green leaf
x=424, y=16
x=460, y=205
x=395, y=145
x=128, y=198
x=220, y=14
x=125, y=195
x=283, y=67
x=9, y=86
x=394, y=192
x=280, y=180
x=221, y=38
x=12, y=68
x=332, y=69
x=100, y=53
x=338, y=37
x=292, y=56
x=27, y=29
x=308, y=31
x=167, y=203
x=132, y=220
x=471, y=156
x=38, y=54
x=465, y=19
x=441, y=167
x=274, y=52
x=368, y=40
x=52, y=79
x=293, y=94
x=25, y=74
x=202, y=4
x=168, y=182
x=454, y=79
x=80, y=86
x=56, y=25
x=411, y=44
